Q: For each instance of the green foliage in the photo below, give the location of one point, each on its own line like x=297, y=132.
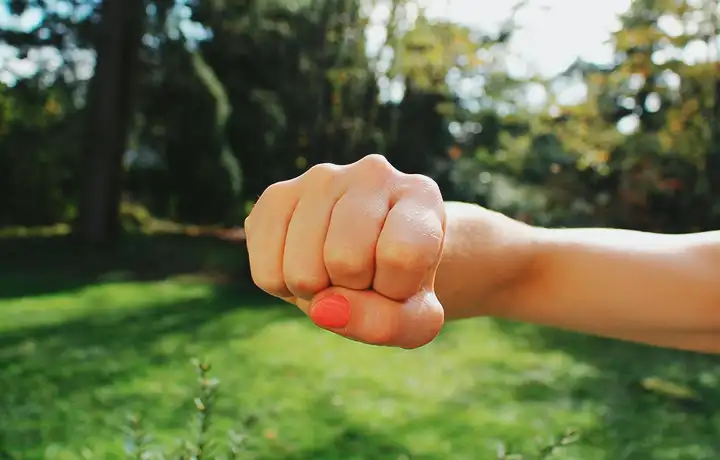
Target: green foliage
x=257, y=92
x=135, y=217
x=196, y=446
x=655, y=176
x=38, y=155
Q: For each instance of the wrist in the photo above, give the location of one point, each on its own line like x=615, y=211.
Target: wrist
x=487, y=259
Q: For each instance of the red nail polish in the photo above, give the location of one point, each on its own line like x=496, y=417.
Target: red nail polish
x=331, y=312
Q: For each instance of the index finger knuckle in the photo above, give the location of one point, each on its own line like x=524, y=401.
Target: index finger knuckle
x=421, y=185
x=406, y=255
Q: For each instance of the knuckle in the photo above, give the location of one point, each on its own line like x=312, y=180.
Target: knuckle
x=345, y=263
x=277, y=189
x=321, y=174
x=405, y=256
x=306, y=284
x=247, y=225
x=272, y=193
x=270, y=284
x=376, y=164
x=422, y=184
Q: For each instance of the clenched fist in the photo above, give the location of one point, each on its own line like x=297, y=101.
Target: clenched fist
x=356, y=248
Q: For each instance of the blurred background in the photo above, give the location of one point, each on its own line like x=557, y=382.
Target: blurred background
x=135, y=135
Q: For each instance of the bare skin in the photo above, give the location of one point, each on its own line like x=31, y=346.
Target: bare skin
x=386, y=246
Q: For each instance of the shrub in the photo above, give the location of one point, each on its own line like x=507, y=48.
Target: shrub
x=197, y=445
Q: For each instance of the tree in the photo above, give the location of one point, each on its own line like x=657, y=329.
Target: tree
x=110, y=105
x=647, y=123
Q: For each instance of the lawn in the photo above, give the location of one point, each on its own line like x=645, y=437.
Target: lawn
x=77, y=354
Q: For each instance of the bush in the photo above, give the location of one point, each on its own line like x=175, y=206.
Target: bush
x=198, y=446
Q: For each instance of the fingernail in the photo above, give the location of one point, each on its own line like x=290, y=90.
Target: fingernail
x=331, y=312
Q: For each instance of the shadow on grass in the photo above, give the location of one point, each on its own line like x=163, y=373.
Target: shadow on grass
x=31, y=266
x=337, y=436
x=355, y=443
x=49, y=369
x=639, y=421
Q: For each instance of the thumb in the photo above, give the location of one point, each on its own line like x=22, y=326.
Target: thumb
x=369, y=317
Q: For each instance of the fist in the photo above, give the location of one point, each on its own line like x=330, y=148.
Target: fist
x=356, y=248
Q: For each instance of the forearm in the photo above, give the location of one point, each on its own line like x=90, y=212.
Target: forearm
x=657, y=289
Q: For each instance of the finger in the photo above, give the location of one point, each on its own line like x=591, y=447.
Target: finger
x=352, y=236
x=368, y=317
x=265, y=231
x=303, y=264
x=410, y=243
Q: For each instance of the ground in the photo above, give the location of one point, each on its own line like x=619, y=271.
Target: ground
x=78, y=353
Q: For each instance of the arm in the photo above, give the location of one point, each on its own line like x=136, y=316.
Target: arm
x=657, y=289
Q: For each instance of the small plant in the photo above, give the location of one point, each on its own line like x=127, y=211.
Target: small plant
x=568, y=437
x=136, y=444
x=198, y=446
x=205, y=404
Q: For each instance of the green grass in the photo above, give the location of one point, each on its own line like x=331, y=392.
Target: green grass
x=77, y=354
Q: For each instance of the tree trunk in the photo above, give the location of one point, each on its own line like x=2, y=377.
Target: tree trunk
x=713, y=160
x=109, y=111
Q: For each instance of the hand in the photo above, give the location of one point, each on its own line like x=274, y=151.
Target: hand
x=356, y=248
